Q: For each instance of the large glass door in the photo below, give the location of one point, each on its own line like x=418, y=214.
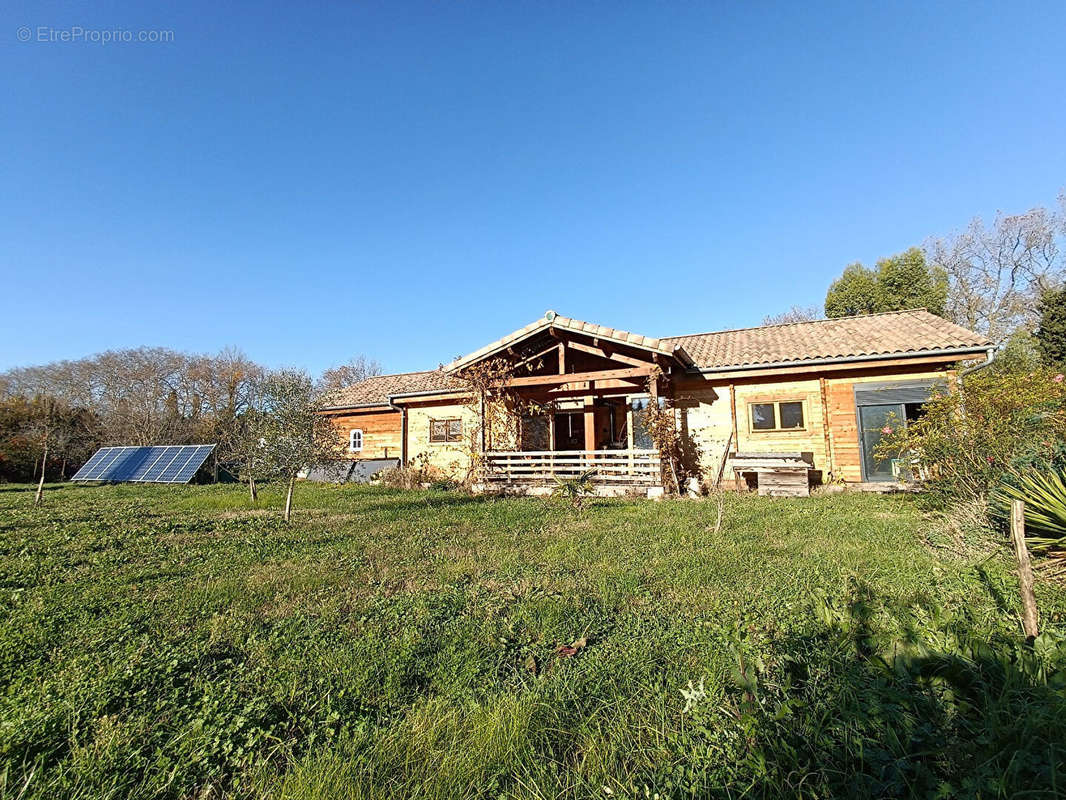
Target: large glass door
x=876, y=422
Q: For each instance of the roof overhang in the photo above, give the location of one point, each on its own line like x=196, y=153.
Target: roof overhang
x=384, y=404
x=944, y=354
x=554, y=323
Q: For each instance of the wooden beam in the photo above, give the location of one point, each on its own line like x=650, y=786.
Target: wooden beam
x=603, y=352
x=562, y=358
x=603, y=374
x=482, y=436
x=590, y=424
x=615, y=388
x=822, y=389
x=735, y=437
x=535, y=356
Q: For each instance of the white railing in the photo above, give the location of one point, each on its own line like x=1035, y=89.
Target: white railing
x=615, y=467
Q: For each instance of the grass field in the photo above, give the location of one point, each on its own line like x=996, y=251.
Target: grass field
x=176, y=642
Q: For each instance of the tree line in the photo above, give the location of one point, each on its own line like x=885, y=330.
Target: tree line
x=1004, y=279
x=54, y=416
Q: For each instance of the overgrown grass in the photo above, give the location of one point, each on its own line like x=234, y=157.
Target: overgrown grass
x=175, y=642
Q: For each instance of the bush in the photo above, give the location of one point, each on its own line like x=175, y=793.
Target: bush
x=415, y=475
x=1044, y=495
x=999, y=424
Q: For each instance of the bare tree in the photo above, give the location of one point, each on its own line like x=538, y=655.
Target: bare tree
x=998, y=272
x=356, y=369
x=145, y=396
x=794, y=314
x=225, y=388
x=241, y=436
x=292, y=433
x=51, y=426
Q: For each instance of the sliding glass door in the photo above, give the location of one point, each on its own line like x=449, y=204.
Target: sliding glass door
x=876, y=422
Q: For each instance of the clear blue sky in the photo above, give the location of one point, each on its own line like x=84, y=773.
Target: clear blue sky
x=412, y=180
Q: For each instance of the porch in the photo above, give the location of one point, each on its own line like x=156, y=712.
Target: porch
x=579, y=396
x=617, y=471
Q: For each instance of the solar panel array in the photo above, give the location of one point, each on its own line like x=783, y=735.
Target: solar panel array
x=170, y=464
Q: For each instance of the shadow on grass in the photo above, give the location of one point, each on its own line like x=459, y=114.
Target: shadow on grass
x=31, y=488
x=441, y=500
x=853, y=711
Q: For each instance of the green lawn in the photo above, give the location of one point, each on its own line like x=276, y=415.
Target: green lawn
x=176, y=642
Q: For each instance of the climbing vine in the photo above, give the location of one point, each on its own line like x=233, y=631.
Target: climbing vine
x=496, y=410
x=677, y=450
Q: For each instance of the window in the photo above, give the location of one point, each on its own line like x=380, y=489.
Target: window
x=641, y=437
x=790, y=415
x=787, y=416
x=445, y=430
x=355, y=440
x=762, y=417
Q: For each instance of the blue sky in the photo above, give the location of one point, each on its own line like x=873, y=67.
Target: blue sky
x=412, y=180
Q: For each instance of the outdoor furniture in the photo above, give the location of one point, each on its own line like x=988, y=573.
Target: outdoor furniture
x=775, y=474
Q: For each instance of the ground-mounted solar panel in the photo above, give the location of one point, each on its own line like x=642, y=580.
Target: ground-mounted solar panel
x=176, y=463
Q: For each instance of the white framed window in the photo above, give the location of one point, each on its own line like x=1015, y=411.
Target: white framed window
x=355, y=440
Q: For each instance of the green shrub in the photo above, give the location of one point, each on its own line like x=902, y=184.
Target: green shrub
x=1044, y=495
x=999, y=424
x=575, y=489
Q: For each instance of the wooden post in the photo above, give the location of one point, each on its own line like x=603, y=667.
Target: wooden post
x=1030, y=617
x=40, y=486
x=482, y=433
x=590, y=424
x=830, y=468
x=736, y=432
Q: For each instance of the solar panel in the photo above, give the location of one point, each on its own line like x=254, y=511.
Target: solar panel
x=166, y=464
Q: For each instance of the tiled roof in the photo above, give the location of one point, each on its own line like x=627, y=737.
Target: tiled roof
x=378, y=389
x=888, y=334
x=893, y=333
x=553, y=320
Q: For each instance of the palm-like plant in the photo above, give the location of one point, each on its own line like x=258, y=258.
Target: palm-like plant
x=1044, y=495
x=575, y=489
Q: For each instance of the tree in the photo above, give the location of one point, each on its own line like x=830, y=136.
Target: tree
x=355, y=370
x=854, y=292
x=141, y=396
x=292, y=434
x=794, y=314
x=50, y=425
x=1051, y=334
x=998, y=272
x=899, y=282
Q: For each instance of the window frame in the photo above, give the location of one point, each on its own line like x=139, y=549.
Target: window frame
x=632, y=412
x=351, y=440
x=447, y=423
x=777, y=415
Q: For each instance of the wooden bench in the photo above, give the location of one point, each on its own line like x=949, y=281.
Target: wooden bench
x=776, y=474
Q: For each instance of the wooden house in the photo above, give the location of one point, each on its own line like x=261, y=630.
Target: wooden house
x=825, y=390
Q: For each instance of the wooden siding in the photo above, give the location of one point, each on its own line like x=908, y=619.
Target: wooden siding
x=830, y=434
x=843, y=427
x=382, y=432
x=706, y=413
